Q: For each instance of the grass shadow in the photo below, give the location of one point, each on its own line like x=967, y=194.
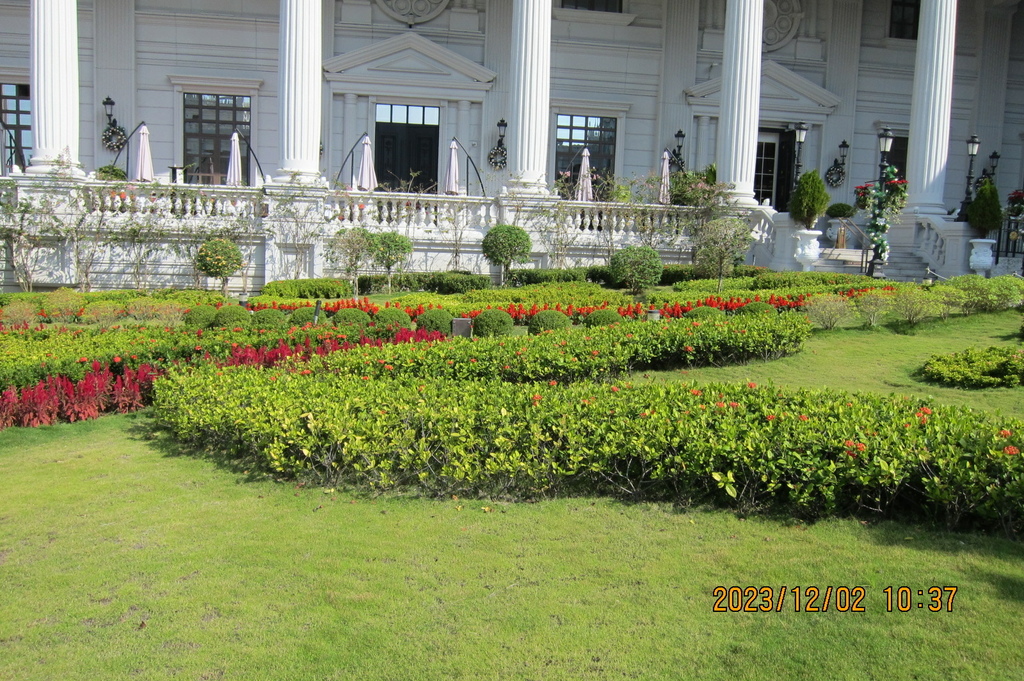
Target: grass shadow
x=144, y=428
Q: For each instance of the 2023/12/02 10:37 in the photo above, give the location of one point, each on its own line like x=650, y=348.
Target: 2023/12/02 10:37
x=824, y=599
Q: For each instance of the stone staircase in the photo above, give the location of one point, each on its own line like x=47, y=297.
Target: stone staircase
x=901, y=266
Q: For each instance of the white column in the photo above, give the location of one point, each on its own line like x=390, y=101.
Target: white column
x=348, y=139
x=531, y=95
x=930, y=107
x=741, y=94
x=700, y=157
x=301, y=40
x=53, y=80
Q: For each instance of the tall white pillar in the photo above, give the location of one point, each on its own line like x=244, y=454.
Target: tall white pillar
x=701, y=155
x=531, y=95
x=301, y=40
x=741, y=94
x=349, y=130
x=53, y=81
x=930, y=107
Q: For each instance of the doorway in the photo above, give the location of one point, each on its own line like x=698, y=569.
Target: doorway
x=407, y=140
x=773, y=170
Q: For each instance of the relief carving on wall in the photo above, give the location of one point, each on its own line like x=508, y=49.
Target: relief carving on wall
x=781, y=21
x=412, y=11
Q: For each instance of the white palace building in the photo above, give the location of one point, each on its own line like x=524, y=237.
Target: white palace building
x=760, y=88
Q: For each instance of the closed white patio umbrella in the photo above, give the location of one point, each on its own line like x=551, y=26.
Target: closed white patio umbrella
x=451, y=177
x=664, y=194
x=144, y=158
x=367, y=179
x=234, y=176
x=585, y=185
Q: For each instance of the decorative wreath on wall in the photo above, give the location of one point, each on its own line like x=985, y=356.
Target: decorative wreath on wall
x=114, y=138
x=835, y=175
x=498, y=157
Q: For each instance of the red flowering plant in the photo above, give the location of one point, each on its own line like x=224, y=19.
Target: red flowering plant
x=1015, y=203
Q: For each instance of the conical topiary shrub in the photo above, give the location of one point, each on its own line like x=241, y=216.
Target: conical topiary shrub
x=809, y=200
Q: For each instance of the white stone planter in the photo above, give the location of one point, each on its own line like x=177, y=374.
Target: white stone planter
x=982, y=260
x=807, y=248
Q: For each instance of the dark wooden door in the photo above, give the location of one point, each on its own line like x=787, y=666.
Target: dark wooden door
x=406, y=156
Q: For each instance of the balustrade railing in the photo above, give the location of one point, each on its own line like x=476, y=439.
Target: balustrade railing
x=623, y=218
x=930, y=243
x=173, y=200
x=408, y=213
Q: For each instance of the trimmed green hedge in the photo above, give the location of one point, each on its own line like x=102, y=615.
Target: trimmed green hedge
x=978, y=368
x=810, y=453
x=308, y=289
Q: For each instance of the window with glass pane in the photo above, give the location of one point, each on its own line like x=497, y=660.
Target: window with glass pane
x=209, y=122
x=572, y=134
x=594, y=5
x=903, y=16
x=16, y=114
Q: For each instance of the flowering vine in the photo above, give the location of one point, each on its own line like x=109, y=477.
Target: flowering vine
x=884, y=203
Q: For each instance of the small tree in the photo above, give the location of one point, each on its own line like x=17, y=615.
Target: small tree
x=219, y=258
x=985, y=212
x=390, y=249
x=809, y=200
x=637, y=267
x=505, y=244
x=718, y=245
x=351, y=250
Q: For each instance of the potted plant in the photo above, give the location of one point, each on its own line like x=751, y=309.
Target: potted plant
x=836, y=231
x=985, y=213
x=111, y=173
x=809, y=200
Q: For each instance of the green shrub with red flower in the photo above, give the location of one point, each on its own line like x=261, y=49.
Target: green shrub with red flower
x=884, y=202
x=1015, y=203
x=811, y=453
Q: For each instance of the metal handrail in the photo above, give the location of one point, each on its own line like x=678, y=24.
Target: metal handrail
x=865, y=248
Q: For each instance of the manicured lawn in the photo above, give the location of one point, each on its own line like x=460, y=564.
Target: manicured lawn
x=120, y=557
x=882, y=361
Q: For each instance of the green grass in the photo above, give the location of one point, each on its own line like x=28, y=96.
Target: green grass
x=104, y=530
x=881, y=360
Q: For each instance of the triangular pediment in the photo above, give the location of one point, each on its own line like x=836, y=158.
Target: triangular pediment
x=782, y=92
x=403, y=56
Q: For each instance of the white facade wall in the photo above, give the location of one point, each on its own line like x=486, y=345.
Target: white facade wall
x=656, y=68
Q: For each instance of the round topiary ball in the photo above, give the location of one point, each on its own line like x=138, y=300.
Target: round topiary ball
x=603, y=317
x=756, y=307
x=304, y=315
x=435, y=320
x=493, y=322
x=393, y=317
x=267, y=318
x=546, y=320
x=231, y=316
x=387, y=321
x=704, y=312
x=637, y=267
x=200, y=316
x=352, y=317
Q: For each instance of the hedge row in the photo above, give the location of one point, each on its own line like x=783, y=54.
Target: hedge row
x=978, y=368
x=579, y=353
x=811, y=453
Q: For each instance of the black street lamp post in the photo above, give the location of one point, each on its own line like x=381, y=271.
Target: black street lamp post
x=972, y=151
x=801, y=129
x=676, y=156
x=885, y=138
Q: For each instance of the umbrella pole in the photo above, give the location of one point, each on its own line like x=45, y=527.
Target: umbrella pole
x=126, y=143
x=470, y=161
x=348, y=157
